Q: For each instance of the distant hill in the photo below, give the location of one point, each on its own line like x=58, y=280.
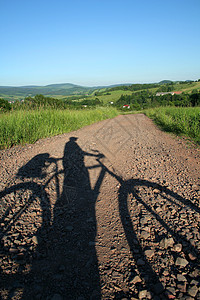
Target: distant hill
x=67, y=89
x=165, y=82
x=64, y=89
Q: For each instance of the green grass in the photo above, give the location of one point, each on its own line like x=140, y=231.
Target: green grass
x=187, y=87
x=20, y=127
x=183, y=121
x=113, y=97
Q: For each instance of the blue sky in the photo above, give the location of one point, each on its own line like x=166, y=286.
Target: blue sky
x=98, y=42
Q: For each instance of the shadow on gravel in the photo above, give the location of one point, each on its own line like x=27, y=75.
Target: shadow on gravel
x=149, y=275
x=146, y=271
x=128, y=187
x=62, y=252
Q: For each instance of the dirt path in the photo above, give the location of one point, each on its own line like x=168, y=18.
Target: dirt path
x=107, y=212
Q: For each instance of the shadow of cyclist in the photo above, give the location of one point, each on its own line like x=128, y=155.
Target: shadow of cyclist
x=74, y=228
x=69, y=265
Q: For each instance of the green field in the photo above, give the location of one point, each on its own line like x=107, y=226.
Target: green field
x=63, y=91
x=184, y=121
x=187, y=87
x=115, y=95
x=20, y=127
x=105, y=98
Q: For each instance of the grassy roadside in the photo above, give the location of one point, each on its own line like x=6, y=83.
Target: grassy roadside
x=20, y=127
x=183, y=121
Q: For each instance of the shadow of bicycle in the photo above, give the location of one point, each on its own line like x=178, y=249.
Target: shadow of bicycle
x=49, y=228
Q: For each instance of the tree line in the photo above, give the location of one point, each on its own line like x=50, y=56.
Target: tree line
x=137, y=101
x=144, y=99
x=41, y=101
x=134, y=87
x=163, y=86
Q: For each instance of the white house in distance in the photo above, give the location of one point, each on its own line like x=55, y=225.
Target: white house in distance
x=165, y=93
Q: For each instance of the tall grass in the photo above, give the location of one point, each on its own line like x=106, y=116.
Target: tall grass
x=20, y=127
x=179, y=120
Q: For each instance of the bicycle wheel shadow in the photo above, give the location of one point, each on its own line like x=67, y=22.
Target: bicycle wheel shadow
x=18, y=204
x=148, y=231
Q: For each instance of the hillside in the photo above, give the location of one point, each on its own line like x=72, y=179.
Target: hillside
x=64, y=89
x=55, y=90
x=165, y=82
x=68, y=89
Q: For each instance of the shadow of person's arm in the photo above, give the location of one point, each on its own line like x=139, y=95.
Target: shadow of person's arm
x=98, y=155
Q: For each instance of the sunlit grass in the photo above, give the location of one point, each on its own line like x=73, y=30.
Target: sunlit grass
x=20, y=127
x=179, y=120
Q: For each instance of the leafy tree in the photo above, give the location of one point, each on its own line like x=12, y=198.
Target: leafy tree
x=195, y=99
x=144, y=99
x=4, y=105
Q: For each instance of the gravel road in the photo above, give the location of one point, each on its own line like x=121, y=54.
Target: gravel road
x=110, y=211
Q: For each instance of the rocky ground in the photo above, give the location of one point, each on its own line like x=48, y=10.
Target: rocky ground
x=107, y=212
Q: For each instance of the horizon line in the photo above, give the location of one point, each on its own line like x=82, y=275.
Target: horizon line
x=92, y=86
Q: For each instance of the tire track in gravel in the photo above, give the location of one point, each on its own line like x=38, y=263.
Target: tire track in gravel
x=110, y=211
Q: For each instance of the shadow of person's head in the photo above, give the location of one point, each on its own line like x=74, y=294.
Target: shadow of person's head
x=35, y=168
x=73, y=139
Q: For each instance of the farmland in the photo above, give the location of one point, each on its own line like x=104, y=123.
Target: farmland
x=43, y=116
